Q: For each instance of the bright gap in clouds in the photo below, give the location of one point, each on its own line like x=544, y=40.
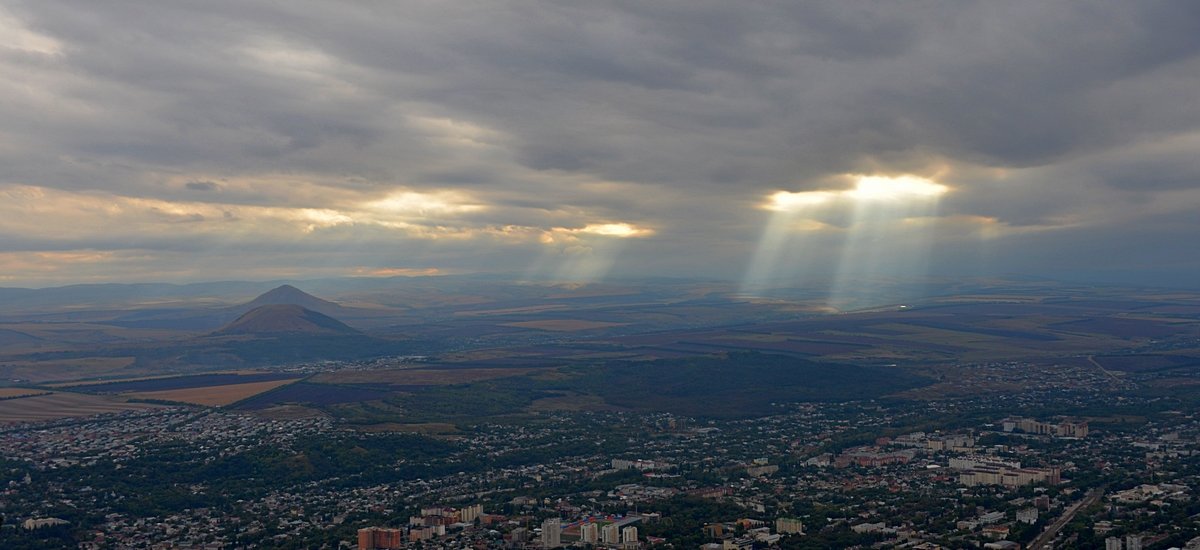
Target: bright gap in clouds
x=585, y=254
x=898, y=188
x=613, y=230
x=887, y=236
x=786, y=201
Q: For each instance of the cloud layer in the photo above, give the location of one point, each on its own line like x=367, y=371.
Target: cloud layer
x=182, y=141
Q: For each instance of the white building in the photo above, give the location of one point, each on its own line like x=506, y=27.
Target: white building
x=552, y=533
x=629, y=537
x=31, y=524
x=789, y=526
x=471, y=513
x=610, y=534
x=589, y=533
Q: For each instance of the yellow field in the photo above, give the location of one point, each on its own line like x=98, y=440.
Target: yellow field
x=213, y=396
x=140, y=378
x=415, y=377
x=19, y=392
x=563, y=325
x=63, y=405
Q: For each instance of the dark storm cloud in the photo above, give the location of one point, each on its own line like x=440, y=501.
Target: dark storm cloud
x=677, y=115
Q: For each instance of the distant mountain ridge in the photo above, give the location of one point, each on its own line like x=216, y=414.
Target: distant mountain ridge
x=286, y=318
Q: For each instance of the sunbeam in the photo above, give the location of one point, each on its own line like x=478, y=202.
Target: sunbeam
x=891, y=220
x=888, y=240
x=783, y=251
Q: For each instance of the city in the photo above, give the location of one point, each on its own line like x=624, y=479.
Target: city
x=952, y=474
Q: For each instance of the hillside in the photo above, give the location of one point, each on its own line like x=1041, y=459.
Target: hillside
x=285, y=319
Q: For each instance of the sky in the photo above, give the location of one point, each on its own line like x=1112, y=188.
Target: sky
x=766, y=143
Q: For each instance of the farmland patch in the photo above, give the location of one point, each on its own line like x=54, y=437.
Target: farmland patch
x=214, y=396
x=184, y=382
x=313, y=394
x=63, y=405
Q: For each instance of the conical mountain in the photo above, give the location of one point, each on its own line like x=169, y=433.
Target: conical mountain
x=280, y=319
x=212, y=319
x=290, y=295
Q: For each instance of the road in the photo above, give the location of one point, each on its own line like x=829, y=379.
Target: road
x=1092, y=359
x=1043, y=541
